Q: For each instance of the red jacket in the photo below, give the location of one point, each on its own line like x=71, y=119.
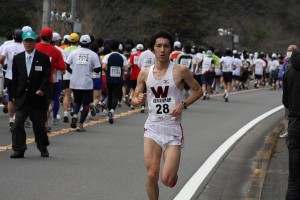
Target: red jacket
x=57, y=61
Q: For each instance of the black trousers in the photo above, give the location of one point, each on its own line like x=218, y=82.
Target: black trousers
x=38, y=118
x=293, y=145
x=113, y=93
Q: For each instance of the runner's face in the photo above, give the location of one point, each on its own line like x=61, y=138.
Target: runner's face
x=162, y=49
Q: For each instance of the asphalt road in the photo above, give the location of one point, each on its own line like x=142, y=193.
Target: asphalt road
x=106, y=162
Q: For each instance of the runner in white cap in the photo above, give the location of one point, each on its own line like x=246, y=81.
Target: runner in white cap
x=26, y=28
x=84, y=62
x=8, y=53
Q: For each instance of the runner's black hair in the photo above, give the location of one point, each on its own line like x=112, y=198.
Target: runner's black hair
x=161, y=34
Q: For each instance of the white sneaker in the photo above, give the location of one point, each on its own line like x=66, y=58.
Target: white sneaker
x=111, y=116
x=28, y=123
x=89, y=116
x=119, y=104
x=54, y=121
x=284, y=134
x=104, y=112
x=142, y=109
x=80, y=129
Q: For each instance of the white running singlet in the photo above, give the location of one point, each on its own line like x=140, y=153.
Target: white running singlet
x=162, y=97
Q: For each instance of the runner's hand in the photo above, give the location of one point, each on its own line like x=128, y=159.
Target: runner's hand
x=176, y=112
x=142, y=98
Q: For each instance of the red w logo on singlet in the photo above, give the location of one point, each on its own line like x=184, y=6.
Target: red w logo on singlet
x=160, y=92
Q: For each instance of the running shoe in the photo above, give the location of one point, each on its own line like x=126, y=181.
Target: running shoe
x=48, y=129
x=119, y=104
x=55, y=121
x=127, y=101
x=5, y=109
x=101, y=105
x=226, y=97
x=97, y=108
x=93, y=109
x=80, y=129
x=104, y=112
x=28, y=123
x=90, y=117
x=74, y=122
x=11, y=126
x=110, y=117
x=61, y=99
x=284, y=134
x=66, y=119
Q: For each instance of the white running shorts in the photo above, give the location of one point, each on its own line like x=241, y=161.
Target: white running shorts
x=164, y=135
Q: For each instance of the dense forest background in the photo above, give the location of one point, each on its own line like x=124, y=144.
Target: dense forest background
x=269, y=25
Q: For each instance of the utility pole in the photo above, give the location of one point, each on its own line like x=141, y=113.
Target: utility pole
x=73, y=13
x=75, y=20
x=46, y=13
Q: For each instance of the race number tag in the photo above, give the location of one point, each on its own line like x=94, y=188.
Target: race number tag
x=226, y=67
x=136, y=60
x=206, y=64
x=115, y=71
x=83, y=59
x=148, y=62
x=162, y=108
x=96, y=75
x=186, y=62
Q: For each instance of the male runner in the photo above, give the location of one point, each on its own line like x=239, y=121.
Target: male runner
x=163, y=134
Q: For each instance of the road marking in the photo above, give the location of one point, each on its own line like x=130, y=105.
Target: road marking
x=68, y=130
x=198, y=181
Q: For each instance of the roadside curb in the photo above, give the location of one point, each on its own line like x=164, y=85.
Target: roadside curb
x=193, y=188
x=262, y=163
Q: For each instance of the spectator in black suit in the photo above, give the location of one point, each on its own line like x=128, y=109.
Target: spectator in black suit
x=31, y=74
x=290, y=100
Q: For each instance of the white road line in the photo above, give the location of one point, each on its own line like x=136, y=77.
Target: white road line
x=197, y=182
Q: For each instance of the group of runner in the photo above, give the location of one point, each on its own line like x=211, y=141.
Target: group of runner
x=119, y=65
x=229, y=70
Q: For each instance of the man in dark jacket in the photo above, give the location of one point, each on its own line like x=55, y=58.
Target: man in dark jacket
x=31, y=71
x=285, y=67
x=291, y=101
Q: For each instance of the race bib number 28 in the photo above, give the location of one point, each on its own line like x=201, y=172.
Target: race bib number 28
x=163, y=106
